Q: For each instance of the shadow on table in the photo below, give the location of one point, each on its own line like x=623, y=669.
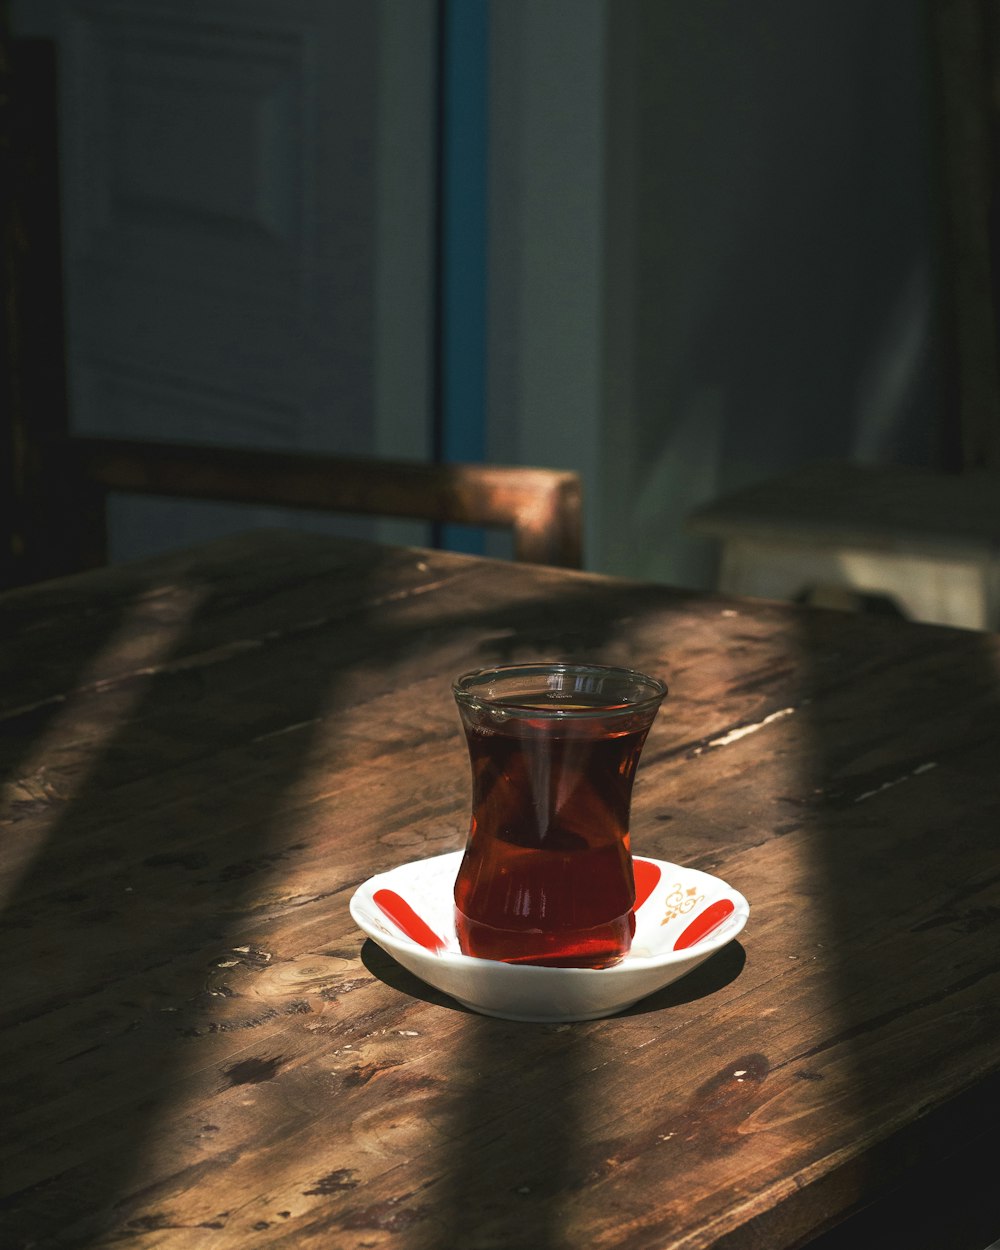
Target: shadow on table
x=870, y=820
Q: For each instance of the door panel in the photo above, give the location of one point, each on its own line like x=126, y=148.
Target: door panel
x=231, y=200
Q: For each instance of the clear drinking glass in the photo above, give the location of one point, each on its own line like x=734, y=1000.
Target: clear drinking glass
x=547, y=873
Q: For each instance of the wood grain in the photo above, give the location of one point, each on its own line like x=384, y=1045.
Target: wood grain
x=204, y=755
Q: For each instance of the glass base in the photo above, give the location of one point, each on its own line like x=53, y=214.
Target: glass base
x=600, y=947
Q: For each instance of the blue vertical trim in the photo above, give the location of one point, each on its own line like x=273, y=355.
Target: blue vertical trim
x=463, y=240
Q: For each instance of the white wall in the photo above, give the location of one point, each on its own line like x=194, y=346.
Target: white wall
x=547, y=240
x=711, y=255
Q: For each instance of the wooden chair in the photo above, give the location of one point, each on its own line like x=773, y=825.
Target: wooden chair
x=929, y=541
x=541, y=506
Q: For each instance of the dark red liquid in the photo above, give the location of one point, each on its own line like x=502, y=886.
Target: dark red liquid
x=547, y=873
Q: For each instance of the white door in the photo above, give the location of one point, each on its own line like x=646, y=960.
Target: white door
x=248, y=231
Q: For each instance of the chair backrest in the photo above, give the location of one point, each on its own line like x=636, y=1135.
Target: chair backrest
x=541, y=506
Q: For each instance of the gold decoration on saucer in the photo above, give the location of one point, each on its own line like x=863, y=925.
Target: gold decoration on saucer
x=680, y=901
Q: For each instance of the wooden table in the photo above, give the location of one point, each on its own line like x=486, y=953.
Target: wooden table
x=205, y=754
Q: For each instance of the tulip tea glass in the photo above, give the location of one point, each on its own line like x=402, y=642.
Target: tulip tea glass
x=547, y=873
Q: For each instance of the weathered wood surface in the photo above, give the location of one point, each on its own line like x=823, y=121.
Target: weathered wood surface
x=204, y=755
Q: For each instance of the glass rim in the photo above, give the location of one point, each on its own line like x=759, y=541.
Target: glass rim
x=656, y=690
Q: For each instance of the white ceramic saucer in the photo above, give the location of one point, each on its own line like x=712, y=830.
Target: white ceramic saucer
x=682, y=917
